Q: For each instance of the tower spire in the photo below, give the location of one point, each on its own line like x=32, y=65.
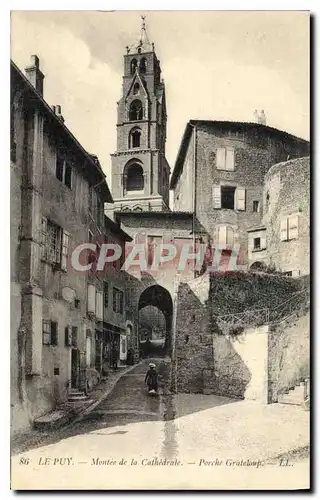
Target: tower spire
x=144, y=35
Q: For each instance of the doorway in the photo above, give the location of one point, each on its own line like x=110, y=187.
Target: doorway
x=75, y=368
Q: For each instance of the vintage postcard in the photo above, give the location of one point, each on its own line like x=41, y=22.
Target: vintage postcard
x=160, y=216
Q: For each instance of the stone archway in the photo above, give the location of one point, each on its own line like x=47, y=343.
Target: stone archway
x=159, y=297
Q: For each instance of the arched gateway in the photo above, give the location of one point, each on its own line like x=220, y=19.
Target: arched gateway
x=160, y=298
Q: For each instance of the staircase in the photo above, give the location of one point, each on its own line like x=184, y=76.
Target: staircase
x=76, y=396
x=298, y=395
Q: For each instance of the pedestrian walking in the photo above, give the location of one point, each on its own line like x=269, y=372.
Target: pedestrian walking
x=151, y=378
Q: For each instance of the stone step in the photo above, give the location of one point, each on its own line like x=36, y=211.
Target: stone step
x=51, y=420
x=80, y=397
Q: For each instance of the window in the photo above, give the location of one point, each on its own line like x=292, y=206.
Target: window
x=55, y=243
x=134, y=178
x=136, y=89
x=65, y=250
x=105, y=294
x=225, y=159
x=134, y=139
x=136, y=110
x=289, y=229
x=74, y=336
x=256, y=206
x=225, y=235
x=117, y=301
x=143, y=65
x=229, y=197
x=256, y=243
x=287, y=273
x=49, y=332
x=63, y=170
x=133, y=66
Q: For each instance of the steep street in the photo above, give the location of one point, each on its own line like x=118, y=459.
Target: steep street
x=170, y=436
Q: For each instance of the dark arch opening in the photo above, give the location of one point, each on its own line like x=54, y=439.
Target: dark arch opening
x=258, y=266
x=160, y=299
x=136, y=110
x=136, y=89
x=133, y=66
x=143, y=65
x=134, y=178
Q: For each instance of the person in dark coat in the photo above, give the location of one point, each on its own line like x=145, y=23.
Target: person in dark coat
x=114, y=357
x=151, y=378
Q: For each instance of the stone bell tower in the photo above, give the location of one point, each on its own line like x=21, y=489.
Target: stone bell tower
x=140, y=172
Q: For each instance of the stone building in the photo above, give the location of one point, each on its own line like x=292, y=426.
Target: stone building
x=58, y=319
x=285, y=232
x=220, y=171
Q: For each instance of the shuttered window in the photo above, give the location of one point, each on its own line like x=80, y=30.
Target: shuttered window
x=289, y=227
x=225, y=159
x=49, y=332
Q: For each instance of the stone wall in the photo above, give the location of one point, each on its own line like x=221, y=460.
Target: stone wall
x=289, y=353
x=205, y=358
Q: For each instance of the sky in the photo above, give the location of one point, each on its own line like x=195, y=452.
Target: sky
x=216, y=65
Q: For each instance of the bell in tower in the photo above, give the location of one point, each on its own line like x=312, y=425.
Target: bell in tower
x=140, y=171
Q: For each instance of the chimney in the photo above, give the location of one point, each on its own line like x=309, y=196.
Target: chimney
x=57, y=111
x=262, y=118
x=35, y=75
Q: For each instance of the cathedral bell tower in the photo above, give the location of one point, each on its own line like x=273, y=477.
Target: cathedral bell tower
x=140, y=172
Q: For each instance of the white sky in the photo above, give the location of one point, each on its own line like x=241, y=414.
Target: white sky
x=216, y=65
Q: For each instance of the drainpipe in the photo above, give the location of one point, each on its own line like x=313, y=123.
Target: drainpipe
x=194, y=181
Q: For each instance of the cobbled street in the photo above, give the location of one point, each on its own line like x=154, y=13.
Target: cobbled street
x=209, y=434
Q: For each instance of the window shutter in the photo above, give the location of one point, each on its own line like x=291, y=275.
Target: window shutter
x=88, y=352
x=240, y=195
x=67, y=336
x=121, y=302
x=230, y=159
x=284, y=229
x=216, y=197
x=222, y=234
x=221, y=158
x=293, y=227
x=74, y=336
x=91, y=299
x=54, y=333
x=46, y=332
x=65, y=250
x=115, y=300
x=99, y=306
x=263, y=240
x=44, y=237
x=230, y=236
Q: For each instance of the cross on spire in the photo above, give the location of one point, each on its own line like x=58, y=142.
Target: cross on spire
x=144, y=36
